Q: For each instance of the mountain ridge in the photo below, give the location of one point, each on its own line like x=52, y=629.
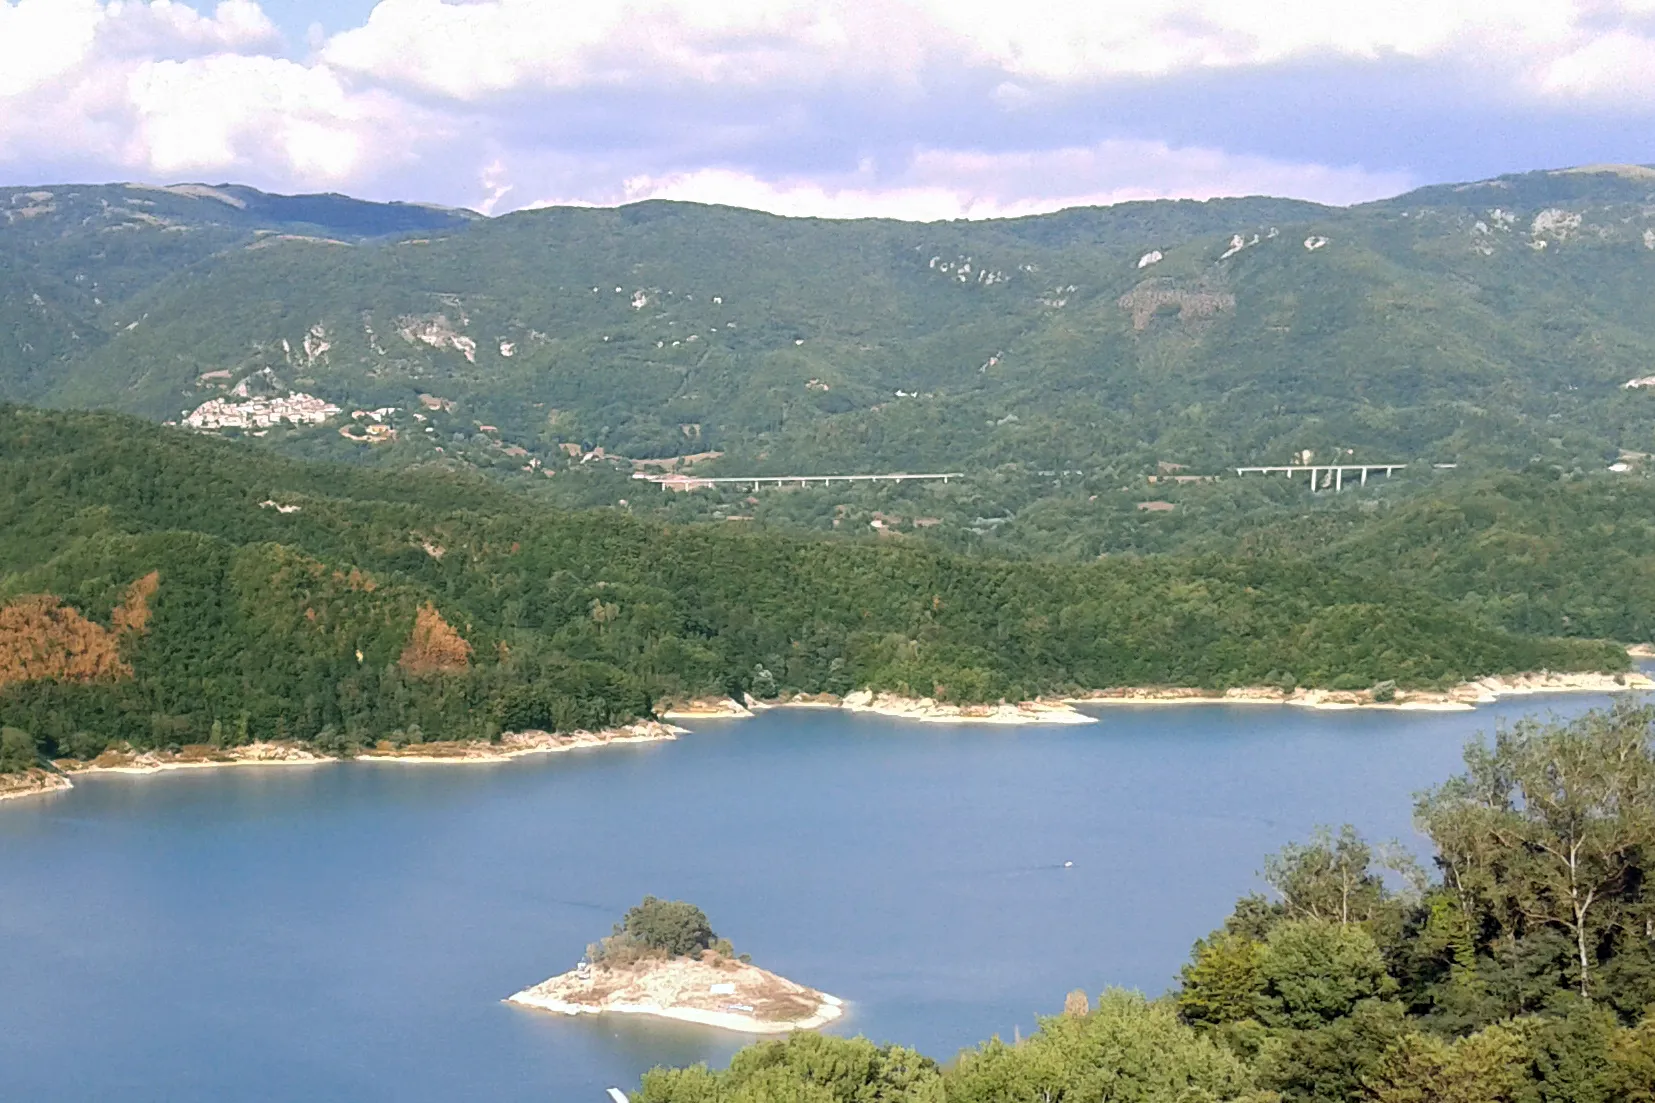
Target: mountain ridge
x=1628, y=171
x=1498, y=324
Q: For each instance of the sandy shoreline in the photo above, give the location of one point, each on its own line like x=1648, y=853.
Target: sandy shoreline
x=194, y=758
x=522, y=744
x=707, y=708
x=923, y=709
x=716, y=992
x=512, y=745
x=832, y=1007
x=1462, y=698
x=32, y=783
x=927, y=711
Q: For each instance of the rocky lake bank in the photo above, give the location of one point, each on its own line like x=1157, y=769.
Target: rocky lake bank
x=710, y=990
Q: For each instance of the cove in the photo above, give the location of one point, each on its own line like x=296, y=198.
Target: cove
x=347, y=931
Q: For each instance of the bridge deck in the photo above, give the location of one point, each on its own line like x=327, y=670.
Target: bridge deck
x=779, y=480
x=1333, y=472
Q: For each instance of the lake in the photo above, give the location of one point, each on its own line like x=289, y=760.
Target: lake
x=346, y=932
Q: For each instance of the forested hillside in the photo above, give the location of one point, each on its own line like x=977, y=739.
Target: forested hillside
x=1517, y=971
x=1494, y=322
x=1534, y=553
x=160, y=588
x=71, y=257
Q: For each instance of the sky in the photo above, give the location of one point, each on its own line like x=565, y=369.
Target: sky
x=922, y=109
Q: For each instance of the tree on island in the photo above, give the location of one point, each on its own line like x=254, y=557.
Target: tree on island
x=660, y=928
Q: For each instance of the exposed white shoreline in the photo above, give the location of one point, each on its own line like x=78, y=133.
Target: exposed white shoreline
x=709, y=990
x=525, y=744
x=831, y=1008
x=511, y=746
x=34, y=783
x=707, y=708
x=153, y=762
x=1462, y=698
x=927, y=711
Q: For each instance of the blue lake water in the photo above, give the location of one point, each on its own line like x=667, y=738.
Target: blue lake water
x=346, y=932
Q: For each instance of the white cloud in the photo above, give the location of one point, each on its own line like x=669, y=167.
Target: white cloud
x=170, y=28
x=943, y=184
x=495, y=186
x=159, y=89
x=1080, y=41
x=494, y=101
x=43, y=40
x=204, y=115
x=1610, y=68
x=470, y=50
x=467, y=49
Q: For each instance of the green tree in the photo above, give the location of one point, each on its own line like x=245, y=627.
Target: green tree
x=1490, y=1066
x=807, y=1068
x=1631, y=1073
x=1128, y=1050
x=1331, y=1062
x=1571, y=1050
x=18, y=750
x=1224, y=983
x=1316, y=971
x=1549, y=826
x=1333, y=877
x=672, y=927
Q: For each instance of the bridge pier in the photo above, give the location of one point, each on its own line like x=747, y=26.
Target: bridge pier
x=1334, y=473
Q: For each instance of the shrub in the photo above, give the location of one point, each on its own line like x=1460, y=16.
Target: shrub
x=18, y=750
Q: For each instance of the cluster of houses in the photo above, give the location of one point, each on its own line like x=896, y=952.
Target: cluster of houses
x=261, y=413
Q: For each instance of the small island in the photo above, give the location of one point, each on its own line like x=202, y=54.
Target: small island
x=663, y=959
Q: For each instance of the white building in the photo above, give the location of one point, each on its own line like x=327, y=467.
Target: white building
x=261, y=413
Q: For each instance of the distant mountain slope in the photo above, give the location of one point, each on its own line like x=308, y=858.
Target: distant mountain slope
x=70, y=256
x=1495, y=321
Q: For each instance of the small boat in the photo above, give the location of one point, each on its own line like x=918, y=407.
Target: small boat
x=616, y=1095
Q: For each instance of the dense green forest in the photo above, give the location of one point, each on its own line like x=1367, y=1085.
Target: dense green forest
x=158, y=588
x=1540, y=550
x=1522, y=971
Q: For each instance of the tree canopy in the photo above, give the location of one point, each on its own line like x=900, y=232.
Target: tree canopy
x=672, y=927
x=158, y=589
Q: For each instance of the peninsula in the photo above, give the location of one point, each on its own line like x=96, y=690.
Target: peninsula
x=664, y=960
